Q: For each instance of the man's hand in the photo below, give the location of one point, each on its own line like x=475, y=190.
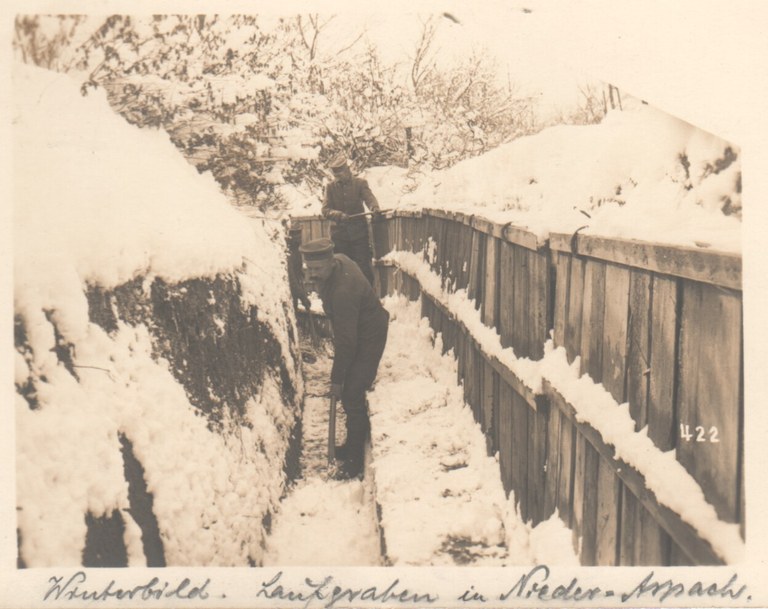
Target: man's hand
x=377, y=215
x=340, y=216
x=336, y=390
x=305, y=302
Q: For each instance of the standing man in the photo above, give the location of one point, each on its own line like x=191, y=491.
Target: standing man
x=360, y=326
x=344, y=197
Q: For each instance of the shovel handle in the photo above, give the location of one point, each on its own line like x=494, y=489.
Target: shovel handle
x=332, y=432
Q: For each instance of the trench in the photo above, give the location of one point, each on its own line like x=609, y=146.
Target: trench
x=322, y=521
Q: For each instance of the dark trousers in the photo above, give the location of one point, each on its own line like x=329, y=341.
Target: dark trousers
x=359, y=250
x=359, y=379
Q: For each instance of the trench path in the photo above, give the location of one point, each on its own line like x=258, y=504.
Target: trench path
x=321, y=521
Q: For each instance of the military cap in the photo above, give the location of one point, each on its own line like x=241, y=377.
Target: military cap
x=317, y=249
x=339, y=161
x=295, y=231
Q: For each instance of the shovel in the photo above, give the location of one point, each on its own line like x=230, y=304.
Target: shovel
x=332, y=433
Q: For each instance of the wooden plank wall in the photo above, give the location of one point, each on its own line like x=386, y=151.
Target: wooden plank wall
x=656, y=331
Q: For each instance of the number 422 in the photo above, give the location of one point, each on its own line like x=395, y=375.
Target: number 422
x=701, y=433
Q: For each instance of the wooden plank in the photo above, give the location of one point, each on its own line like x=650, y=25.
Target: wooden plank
x=680, y=531
x=639, y=355
x=552, y=463
x=709, y=393
x=520, y=299
x=474, y=376
x=506, y=295
x=537, y=428
x=575, y=302
x=719, y=268
x=629, y=551
x=615, y=330
x=654, y=549
x=608, y=509
x=504, y=439
x=491, y=283
x=679, y=558
x=663, y=376
x=476, y=268
x=460, y=353
x=593, y=320
x=562, y=279
x=567, y=473
x=490, y=402
x=520, y=454
x=589, y=511
x=579, y=467
x=538, y=303
x=520, y=236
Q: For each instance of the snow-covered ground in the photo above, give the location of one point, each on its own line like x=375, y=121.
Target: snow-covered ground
x=441, y=496
x=323, y=521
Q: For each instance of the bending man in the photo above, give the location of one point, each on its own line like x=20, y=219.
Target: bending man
x=360, y=327
x=344, y=197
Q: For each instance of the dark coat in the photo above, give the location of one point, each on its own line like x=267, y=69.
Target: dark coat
x=348, y=197
x=357, y=317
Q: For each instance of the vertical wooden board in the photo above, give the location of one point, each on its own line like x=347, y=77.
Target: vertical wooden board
x=608, y=508
x=663, y=375
x=476, y=270
x=575, y=309
x=465, y=255
x=520, y=310
x=638, y=345
x=490, y=400
x=590, y=509
x=520, y=454
x=630, y=529
x=317, y=229
x=504, y=436
x=538, y=303
x=592, y=320
x=567, y=472
x=655, y=542
x=306, y=230
x=615, y=330
x=506, y=294
x=553, y=462
x=709, y=392
x=576, y=504
x=449, y=335
x=460, y=351
x=562, y=264
x=475, y=376
x=537, y=429
x=678, y=558
x=490, y=282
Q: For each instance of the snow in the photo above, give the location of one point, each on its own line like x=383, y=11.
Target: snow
x=322, y=521
x=640, y=174
x=441, y=496
x=117, y=203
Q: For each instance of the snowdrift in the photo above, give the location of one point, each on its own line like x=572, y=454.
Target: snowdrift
x=156, y=358
x=639, y=174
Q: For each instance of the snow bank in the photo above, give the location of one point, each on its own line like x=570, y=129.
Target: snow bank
x=99, y=203
x=640, y=174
